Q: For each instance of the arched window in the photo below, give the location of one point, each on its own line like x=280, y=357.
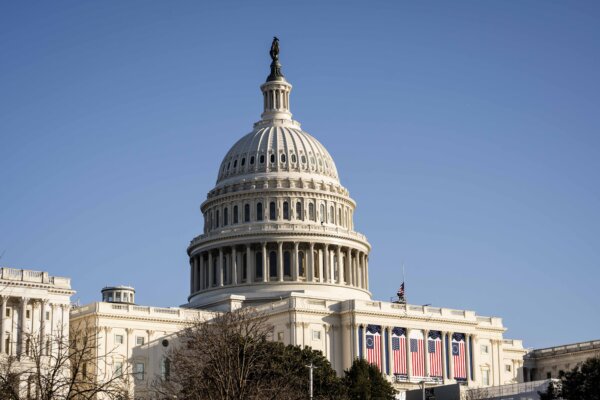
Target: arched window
x=235, y=214
x=258, y=261
x=322, y=213
x=235, y=164
x=301, y=264
x=316, y=266
x=272, y=158
x=287, y=264
x=272, y=265
x=246, y=212
x=294, y=158
x=331, y=215
x=299, y=211
x=311, y=211
x=339, y=216
x=272, y=214
x=259, y=212
x=282, y=157
x=262, y=158
x=225, y=216
x=165, y=369
x=252, y=160
x=286, y=210
x=217, y=220
x=243, y=161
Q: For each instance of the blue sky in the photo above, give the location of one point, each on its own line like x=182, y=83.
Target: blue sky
x=467, y=132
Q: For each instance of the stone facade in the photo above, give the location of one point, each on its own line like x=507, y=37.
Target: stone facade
x=551, y=361
x=34, y=308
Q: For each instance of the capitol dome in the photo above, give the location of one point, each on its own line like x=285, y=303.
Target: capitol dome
x=277, y=149
x=278, y=220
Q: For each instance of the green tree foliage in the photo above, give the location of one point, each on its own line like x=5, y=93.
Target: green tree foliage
x=583, y=382
x=364, y=381
x=552, y=393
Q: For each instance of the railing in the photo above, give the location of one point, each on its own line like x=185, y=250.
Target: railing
x=262, y=227
x=26, y=275
x=568, y=348
x=186, y=313
x=417, y=379
x=511, y=389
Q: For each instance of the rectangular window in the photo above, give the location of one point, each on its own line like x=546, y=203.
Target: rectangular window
x=7, y=312
x=508, y=368
x=485, y=377
x=139, y=371
x=280, y=336
x=118, y=368
x=548, y=375
x=119, y=339
x=27, y=314
x=316, y=335
x=47, y=315
x=139, y=341
x=484, y=349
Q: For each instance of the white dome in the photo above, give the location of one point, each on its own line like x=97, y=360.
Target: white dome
x=282, y=149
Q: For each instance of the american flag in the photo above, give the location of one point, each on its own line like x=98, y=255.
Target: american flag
x=417, y=357
x=458, y=354
x=399, y=351
x=434, y=348
x=374, y=345
x=401, y=292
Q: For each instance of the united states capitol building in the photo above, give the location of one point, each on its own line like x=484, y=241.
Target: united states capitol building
x=279, y=235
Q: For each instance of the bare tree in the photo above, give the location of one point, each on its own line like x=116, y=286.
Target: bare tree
x=60, y=367
x=232, y=357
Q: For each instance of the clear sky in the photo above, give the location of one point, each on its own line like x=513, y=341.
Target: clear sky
x=467, y=131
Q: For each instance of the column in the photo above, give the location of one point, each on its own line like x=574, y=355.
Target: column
x=264, y=262
x=390, y=355
x=280, y=261
x=340, y=266
x=234, y=266
x=310, y=276
x=364, y=341
x=326, y=260
x=249, y=269
x=43, y=325
x=348, y=265
x=468, y=356
x=450, y=356
x=4, y=300
x=220, y=268
x=426, y=351
x=444, y=369
x=358, y=270
x=21, y=329
x=408, y=357
x=193, y=283
x=296, y=267
x=366, y=272
x=211, y=277
x=500, y=362
x=382, y=343
x=474, y=355
x=202, y=268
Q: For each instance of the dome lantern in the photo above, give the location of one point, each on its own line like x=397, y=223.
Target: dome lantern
x=276, y=90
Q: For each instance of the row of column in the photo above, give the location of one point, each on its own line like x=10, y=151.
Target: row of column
x=23, y=328
x=447, y=358
x=293, y=261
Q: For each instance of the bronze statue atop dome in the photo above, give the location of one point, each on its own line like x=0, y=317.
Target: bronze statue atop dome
x=274, y=49
x=276, y=74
